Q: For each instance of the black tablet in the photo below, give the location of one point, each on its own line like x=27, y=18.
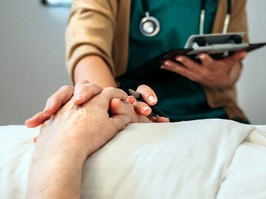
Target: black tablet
x=217, y=46
x=152, y=66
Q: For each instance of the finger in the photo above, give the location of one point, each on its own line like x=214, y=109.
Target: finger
x=187, y=62
x=179, y=69
x=238, y=56
x=159, y=119
x=148, y=94
x=122, y=114
x=85, y=91
x=111, y=93
x=206, y=59
x=119, y=122
x=163, y=120
x=124, y=111
x=116, y=107
x=142, y=108
x=131, y=99
x=57, y=100
x=36, y=120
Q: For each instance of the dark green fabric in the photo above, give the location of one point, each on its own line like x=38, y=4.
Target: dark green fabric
x=179, y=98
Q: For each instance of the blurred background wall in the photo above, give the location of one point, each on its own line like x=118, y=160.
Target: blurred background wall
x=252, y=85
x=32, y=64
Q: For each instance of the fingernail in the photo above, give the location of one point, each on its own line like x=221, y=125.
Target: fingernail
x=166, y=63
x=152, y=100
x=146, y=109
x=179, y=59
x=131, y=99
x=202, y=56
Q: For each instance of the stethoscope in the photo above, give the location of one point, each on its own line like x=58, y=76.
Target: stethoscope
x=150, y=26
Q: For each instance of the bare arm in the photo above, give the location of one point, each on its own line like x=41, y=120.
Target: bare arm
x=56, y=169
x=95, y=70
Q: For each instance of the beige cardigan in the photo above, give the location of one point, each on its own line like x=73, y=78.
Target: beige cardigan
x=102, y=27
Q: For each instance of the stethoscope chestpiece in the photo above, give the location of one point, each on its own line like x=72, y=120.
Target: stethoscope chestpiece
x=149, y=26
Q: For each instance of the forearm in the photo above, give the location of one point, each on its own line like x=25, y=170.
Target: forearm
x=95, y=70
x=56, y=172
x=68, y=138
x=90, y=31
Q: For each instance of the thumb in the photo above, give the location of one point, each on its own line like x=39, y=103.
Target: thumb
x=238, y=56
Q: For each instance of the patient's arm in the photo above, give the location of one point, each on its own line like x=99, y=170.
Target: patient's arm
x=82, y=93
x=67, y=139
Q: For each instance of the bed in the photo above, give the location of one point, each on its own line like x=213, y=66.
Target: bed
x=207, y=159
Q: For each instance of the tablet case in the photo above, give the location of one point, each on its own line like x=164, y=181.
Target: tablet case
x=217, y=46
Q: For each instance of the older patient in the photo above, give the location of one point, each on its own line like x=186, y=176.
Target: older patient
x=71, y=135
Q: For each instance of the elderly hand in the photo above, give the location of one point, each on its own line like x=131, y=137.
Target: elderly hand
x=210, y=72
x=83, y=92
x=90, y=125
x=70, y=136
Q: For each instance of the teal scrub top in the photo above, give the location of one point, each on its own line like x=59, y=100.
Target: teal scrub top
x=179, y=98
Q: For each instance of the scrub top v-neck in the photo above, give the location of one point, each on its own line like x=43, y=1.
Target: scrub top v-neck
x=179, y=97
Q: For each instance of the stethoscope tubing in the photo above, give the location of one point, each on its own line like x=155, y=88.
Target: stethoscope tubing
x=150, y=25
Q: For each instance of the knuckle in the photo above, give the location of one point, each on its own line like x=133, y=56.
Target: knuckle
x=107, y=90
x=82, y=82
x=50, y=99
x=65, y=88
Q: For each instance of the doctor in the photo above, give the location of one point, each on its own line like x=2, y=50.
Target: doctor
x=105, y=39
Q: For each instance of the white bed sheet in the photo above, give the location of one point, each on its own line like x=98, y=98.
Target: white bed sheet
x=196, y=159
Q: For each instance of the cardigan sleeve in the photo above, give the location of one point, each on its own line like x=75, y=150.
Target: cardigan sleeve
x=238, y=21
x=90, y=31
x=227, y=97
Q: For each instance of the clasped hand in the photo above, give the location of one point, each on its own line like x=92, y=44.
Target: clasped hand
x=87, y=104
x=211, y=73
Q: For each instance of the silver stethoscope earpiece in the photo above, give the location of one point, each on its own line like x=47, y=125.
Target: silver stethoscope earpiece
x=150, y=26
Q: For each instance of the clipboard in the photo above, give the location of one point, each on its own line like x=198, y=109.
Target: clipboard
x=218, y=46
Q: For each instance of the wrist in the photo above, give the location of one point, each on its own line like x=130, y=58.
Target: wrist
x=62, y=143
x=60, y=167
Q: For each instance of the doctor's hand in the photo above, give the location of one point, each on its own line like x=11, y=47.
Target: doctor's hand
x=144, y=108
x=211, y=73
